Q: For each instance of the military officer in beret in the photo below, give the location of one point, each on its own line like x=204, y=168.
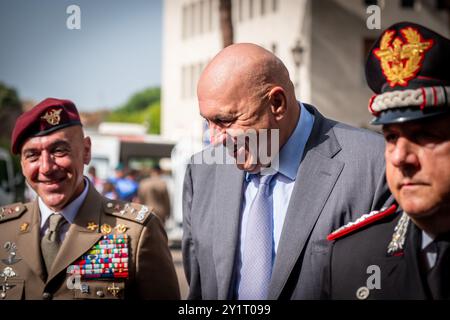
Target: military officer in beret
x=72, y=243
x=402, y=252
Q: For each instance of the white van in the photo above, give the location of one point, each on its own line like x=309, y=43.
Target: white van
x=7, y=187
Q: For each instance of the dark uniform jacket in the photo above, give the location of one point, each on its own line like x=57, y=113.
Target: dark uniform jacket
x=151, y=273
x=361, y=267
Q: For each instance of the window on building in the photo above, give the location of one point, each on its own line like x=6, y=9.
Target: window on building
x=184, y=22
x=263, y=7
x=274, y=48
x=201, y=16
x=192, y=80
x=214, y=19
x=407, y=4
x=370, y=2
x=183, y=82
x=274, y=5
x=443, y=4
x=240, y=10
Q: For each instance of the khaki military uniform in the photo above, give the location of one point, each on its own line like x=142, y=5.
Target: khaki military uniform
x=151, y=273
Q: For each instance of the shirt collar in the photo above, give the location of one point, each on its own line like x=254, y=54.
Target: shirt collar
x=292, y=151
x=427, y=239
x=69, y=212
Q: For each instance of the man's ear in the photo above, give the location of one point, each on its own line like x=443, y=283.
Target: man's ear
x=87, y=150
x=278, y=102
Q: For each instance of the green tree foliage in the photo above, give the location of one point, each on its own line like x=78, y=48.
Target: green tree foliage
x=10, y=109
x=144, y=107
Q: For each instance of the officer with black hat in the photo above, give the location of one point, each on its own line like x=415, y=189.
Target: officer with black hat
x=402, y=252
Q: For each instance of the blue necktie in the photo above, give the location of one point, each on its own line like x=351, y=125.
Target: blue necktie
x=256, y=267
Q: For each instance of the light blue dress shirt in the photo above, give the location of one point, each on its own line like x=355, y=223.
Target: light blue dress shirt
x=69, y=212
x=281, y=185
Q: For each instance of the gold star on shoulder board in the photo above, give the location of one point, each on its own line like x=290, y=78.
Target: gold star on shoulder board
x=24, y=227
x=92, y=226
x=121, y=228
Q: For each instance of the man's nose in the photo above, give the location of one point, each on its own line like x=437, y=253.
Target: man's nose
x=47, y=163
x=404, y=153
x=217, y=134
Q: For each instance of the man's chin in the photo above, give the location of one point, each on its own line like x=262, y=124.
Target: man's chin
x=55, y=202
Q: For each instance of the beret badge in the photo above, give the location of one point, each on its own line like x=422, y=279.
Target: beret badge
x=53, y=117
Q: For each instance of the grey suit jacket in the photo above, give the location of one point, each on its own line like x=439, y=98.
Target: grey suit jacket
x=341, y=176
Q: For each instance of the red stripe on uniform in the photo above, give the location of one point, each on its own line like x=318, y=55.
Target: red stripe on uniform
x=345, y=231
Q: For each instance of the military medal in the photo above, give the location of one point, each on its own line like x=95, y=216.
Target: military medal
x=106, y=229
x=11, y=248
x=107, y=259
x=7, y=273
x=121, y=228
x=113, y=290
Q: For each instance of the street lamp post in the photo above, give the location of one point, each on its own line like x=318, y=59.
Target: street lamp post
x=297, y=55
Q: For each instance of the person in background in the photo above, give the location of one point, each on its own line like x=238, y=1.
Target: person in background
x=153, y=193
x=96, y=181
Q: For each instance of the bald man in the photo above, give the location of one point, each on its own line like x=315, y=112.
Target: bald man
x=256, y=228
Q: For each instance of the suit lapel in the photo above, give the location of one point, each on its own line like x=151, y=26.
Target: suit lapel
x=228, y=198
x=29, y=243
x=79, y=239
x=315, y=180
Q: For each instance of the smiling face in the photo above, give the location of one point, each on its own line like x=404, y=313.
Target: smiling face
x=418, y=166
x=232, y=115
x=53, y=165
x=243, y=90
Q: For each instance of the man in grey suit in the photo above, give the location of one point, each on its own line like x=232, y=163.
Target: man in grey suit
x=240, y=242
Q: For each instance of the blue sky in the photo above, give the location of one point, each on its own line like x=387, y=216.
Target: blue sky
x=116, y=53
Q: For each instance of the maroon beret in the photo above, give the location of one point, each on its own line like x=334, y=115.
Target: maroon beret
x=46, y=117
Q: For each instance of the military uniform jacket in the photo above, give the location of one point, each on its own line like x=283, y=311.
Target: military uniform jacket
x=361, y=267
x=150, y=270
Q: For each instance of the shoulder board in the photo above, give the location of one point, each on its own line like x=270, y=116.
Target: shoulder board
x=130, y=211
x=12, y=211
x=361, y=222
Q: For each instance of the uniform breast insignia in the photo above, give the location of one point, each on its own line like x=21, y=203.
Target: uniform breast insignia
x=11, y=249
x=361, y=222
x=7, y=273
x=395, y=247
x=108, y=259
